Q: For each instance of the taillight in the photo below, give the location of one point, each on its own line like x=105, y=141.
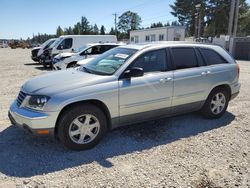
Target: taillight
x=238, y=70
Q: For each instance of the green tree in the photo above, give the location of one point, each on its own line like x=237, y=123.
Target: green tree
x=187, y=13
x=85, y=28
x=218, y=16
x=95, y=30
x=59, y=32
x=112, y=31
x=167, y=24
x=154, y=25
x=102, y=30
x=129, y=21
x=77, y=29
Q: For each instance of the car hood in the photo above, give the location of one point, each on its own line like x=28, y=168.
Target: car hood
x=60, y=81
x=65, y=54
x=36, y=48
x=84, y=61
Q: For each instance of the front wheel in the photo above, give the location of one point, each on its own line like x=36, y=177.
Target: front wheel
x=71, y=65
x=82, y=127
x=216, y=103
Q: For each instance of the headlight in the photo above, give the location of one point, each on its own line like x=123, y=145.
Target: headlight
x=36, y=102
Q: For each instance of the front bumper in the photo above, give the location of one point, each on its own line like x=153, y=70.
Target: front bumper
x=33, y=121
x=36, y=59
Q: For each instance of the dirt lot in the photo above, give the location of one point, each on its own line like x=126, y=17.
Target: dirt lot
x=184, y=151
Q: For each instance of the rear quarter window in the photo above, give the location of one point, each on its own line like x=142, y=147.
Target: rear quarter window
x=212, y=57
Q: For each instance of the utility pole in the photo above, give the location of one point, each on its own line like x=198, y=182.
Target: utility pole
x=236, y=17
x=115, y=14
x=198, y=21
x=231, y=18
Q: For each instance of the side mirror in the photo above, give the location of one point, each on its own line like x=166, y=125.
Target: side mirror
x=61, y=47
x=133, y=72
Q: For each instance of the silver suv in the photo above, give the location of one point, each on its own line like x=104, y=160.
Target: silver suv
x=126, y=85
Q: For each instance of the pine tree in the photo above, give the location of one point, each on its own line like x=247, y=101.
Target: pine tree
x=59, y=32
x=102, y=31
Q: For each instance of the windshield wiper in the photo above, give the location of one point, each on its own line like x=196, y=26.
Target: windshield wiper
x=87, y=70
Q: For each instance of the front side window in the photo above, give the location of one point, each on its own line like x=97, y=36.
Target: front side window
x=109, y=62
x=184, y=58
x=66, y=44
x=212, y=58
x=152, y=61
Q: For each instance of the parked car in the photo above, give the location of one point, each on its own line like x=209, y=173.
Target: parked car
x=36, y=52
x=126, y=85
x=69, y=43
x=70, y=59
x=4, y=44
x=18, y=44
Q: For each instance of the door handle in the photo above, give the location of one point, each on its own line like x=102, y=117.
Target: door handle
x=208, y=72
x=203, y=73
x=164, y=80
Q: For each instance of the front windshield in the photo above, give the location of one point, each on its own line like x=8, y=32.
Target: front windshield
x=78, y=50
x=50, y=43
x=109, y=62
x=56, y=42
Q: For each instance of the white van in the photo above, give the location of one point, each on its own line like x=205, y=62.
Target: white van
x=69, y=43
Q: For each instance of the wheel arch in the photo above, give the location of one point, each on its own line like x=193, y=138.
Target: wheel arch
x=72, y=62
x=95, y=102
x=224, y=86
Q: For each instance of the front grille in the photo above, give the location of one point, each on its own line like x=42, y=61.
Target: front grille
x=34, y=52
x=21, y=96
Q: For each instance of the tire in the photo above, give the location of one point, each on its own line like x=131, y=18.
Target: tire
x=79, y=122
x=71, y=65
x=216, y=103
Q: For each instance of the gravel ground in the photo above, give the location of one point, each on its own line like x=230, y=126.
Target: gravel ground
x=183, y=151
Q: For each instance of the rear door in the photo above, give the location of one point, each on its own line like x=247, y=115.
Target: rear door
x=190, y=79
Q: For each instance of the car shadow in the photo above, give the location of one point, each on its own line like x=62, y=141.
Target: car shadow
x=30, y=64
x=42, y=68
x=24, y=155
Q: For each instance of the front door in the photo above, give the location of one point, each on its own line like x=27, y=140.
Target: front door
x=150, y=95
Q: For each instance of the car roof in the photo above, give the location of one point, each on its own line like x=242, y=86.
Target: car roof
x=141, y=46
x=105, y=43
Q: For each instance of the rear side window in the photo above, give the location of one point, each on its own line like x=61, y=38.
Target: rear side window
x=211, y=57
x=184, y=58
x=152, y=61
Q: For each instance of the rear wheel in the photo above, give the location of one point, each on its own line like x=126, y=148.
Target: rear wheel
x=82, y=127
x=216, y=103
